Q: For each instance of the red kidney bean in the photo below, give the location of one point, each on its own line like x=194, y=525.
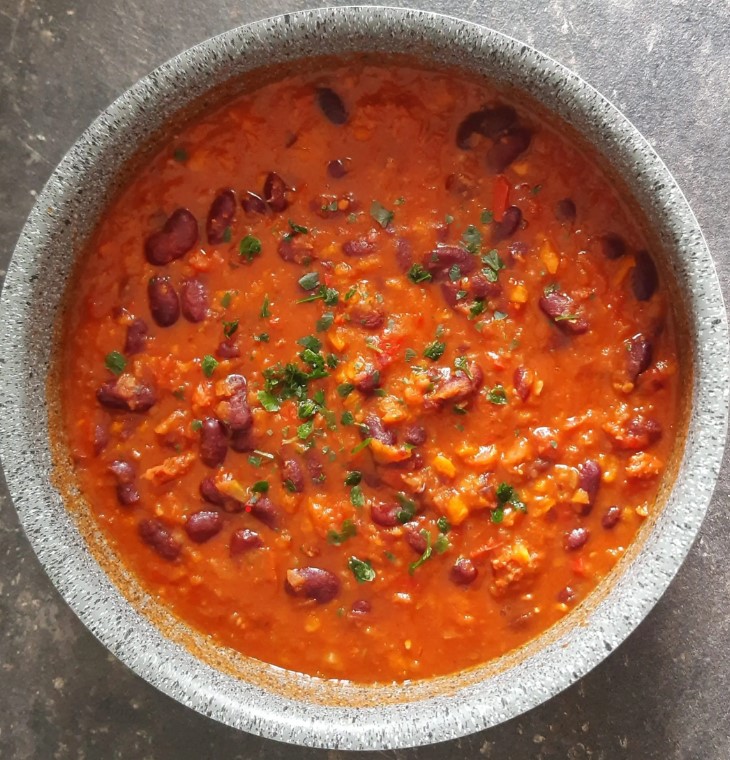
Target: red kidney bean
x=638, y=355
x=295, y=250
x=450, y=292
x=367, y=380
x=312, y=583
x=331, y=105
x=292, y=474
x=315, y=467
x=127, y=493
x=243, y=541
x=459, y=387
x=243, y=440
x=163, y=301
x=565, y=210
x=560, y=307
x=263, y=509
x=275, y=192
x=404, y=255
x=385, y=515
x=213, y=442
x=415, y=434
x=253, y=204
x=202, y=526
x=126, y=393
x=359, y=247
x=507, y=148
x=444, y=257
x=644, y=277
x=481, y=287
x=239, y=412
x=461, y=185
x=613, y=245
x=158, y=536
x=488, y=122
x=136, y=337
x=220, y=216
x=463, y=572
x=566, y=595
x=646, y=430
x=194, y=300
x=589, y=479
x=611, y=517
x=414, y=462
x=101, y=434
x=376, y=429
x=228, y=349
x=521, y=380
x=175, y=239
x=414, y=538
x=368, y=316
x=338, y=168
x=576, y=538
x=360, y=608
x=508, y=226
x=210, y=493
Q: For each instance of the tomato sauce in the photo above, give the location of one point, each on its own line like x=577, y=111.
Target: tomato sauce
x=369, y=373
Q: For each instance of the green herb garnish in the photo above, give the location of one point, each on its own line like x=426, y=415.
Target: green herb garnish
x=249, y=248
x=348, y=530
x=115, y=362
x=434, y=351
x=208, y=365
x=381, y=214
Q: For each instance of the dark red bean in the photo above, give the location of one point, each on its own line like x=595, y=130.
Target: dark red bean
x=101, y=434
x=243, y=440
x=292, y=474
x=126, y=393
x=367, y=380
x=461, y=185
x=238, y=416
x=566, y=595
x=369, y=316
x=315, y=466
x=158, y=536
x=644, y=277
x=507, y=148
x=561, y=309
x=243, y=541
x=253, y=204
x=136, y=337
x=265, y=510
x=202, y=526
x=174, y=240
x=404, y=255
x=576, y=538
x=194, y=300
x=450, y=292
x=444, y=257
x=415, y=434
x=638, y=355
x=481, y=287
x=359, y=247
x=228, y=349
x=210, y=493
x=376, y=429
x=612, y=245
x=414, y=538
x=385, y=515
x=489, y=122
x=331, y=105
x=360, y=608
x=124, y=472
x=646, y=429
x=163, y=301
x=611, y=518
x=213, y=442
x=295, y=250
x=338, y=168
x=589, y=479
x=457, y=388
x=275, y=192
x=127, y=494
x=521, y=380
x=463, y=572
x=508, y=226
x=312, y=583
x=565, y=210
x=220, y=217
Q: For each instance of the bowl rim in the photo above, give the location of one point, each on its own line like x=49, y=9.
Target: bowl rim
x=140, y=645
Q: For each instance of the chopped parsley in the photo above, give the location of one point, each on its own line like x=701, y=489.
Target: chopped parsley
x=353, y=478
x=268, y=401
x=362, y=570
x=357, y=498
x=305, y=430
x=448, y=219
x=418, y=274
x=472, y=239
x=362, y=445
x=410, y=355
x=407, y=508
x=348, y=530
x=492, y=264
x=208, y=365
x=443, y=525
x=434, y=351
x=196, y=425
x=325, y=321
x=260, y=486
x=487, y=217
x=329, y=295
x=425, y=556
x=255, y=461
x=498, y=315
x=506, y=495
x=265, y=312
x=381, y=214
x=345, y=389
x=497, y=395
x=455, y=273
x=261, y=338
x=115, y=362
x=298, y=229
x=441, y=544
x=399, y=201
x=553, y=287
x=249, y=248
x=477, y=308
x=226, y=299
x=347, y=418
x=229, y=328
x=309, y=281
x=462, y=363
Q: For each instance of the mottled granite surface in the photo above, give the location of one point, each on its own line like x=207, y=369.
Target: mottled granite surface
x=663, y=694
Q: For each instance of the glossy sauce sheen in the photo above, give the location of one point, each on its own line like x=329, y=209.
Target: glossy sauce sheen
x=508, y=416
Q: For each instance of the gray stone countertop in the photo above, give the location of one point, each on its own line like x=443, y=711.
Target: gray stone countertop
x=664, y=693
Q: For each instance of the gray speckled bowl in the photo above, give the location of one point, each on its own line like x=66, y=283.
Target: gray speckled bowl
x=247, y=694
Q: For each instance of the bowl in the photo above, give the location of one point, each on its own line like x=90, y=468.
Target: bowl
x=245, y=693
